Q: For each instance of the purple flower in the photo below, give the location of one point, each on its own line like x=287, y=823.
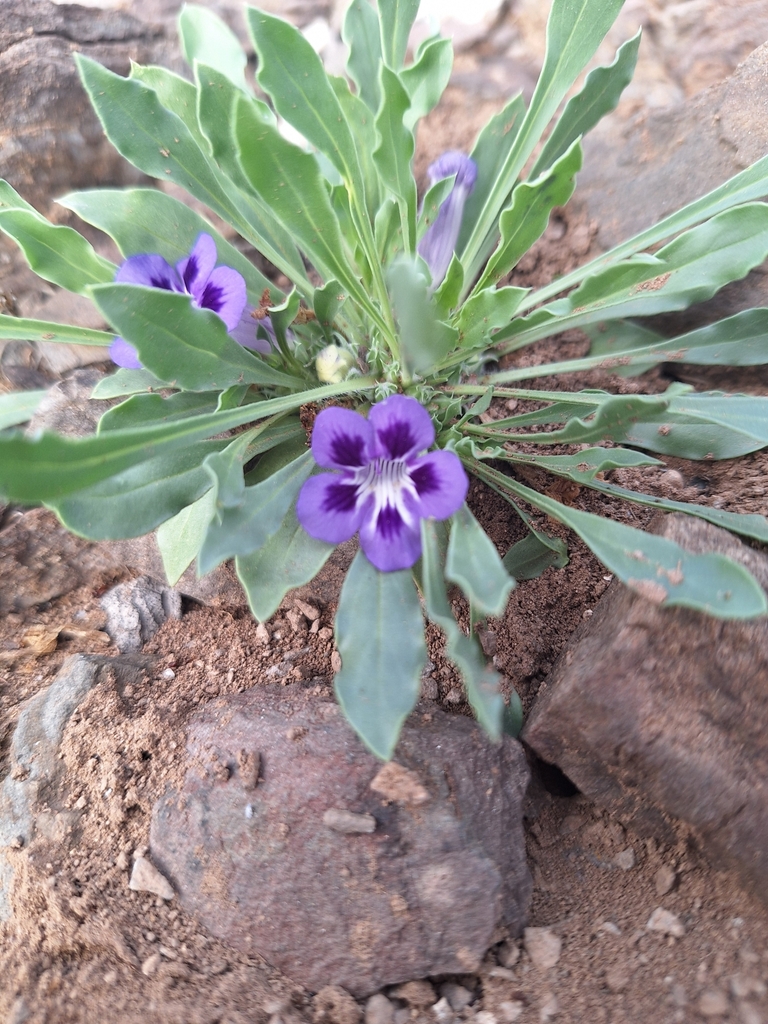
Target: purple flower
x=220, y=289
x=439, y=241
x=382, y=487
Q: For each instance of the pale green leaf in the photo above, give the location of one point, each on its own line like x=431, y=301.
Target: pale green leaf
x=180, y=538
x=473, y=563
x=18, y=407
x=360, y=32
x=396, y=18
x=425, y=80
x=424, y=339
x=394, y=153
x=206, y=38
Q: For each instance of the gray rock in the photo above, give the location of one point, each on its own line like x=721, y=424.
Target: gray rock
x=28, y=796
x=663, y=711
x=68, y=407
x=422, y=895
x=379, y=1010
x=137, y=609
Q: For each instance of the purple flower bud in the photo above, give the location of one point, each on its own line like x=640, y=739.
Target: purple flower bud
x=381, y=486
x=439, y=241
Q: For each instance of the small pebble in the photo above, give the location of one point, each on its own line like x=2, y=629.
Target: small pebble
x=542, y=946
x=379, y=1010
x=508, y=953
x=334, y=1005
x=168, y=673
x=443, y=1012
x=617, y=978
x=510, y=1010
x=666, y=923
x=549, y=1007
x=262, y=633
x=625, y=859
x=151, y=964
x=665, y=879
x=340, y=820
x=486, y=1017
x=745, y=985
x=146, y=878
x=123, y=861
x=458, y=997
x=713, y=1003
x=419, y=994
x=750, y=1014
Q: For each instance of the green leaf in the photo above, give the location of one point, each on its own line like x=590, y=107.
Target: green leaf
x=328, y=300
x=709, y=425
x=526, y=219
x=18, y=407
x=180, y=538
x=394, y=153
x=575, y=29
x=424, y=340
x=16, y=328
x=599, y=95
x=143, y=410
x=289, y=559
x=361, y=124
x=425, y=80
x=480, y=681
x=655, y=567
x=533, y=555
x=175, y=94
x=489, y=153
x=206, y=38
x=46, y=468
x=689, y=269
x=449, y=292
x=55, y=252
x=146, y=220
x=134, y=502
x=380, y=637
x=360, y=32
x=473, y=563
x=397, y=18
x=242, y=527
x=485, y=312
x=180, y=343
x=127, y=382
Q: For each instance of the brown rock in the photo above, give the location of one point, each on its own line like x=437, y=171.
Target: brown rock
x=418, y=994
x=422, y=895
x=663, y=711
x=334, y=1005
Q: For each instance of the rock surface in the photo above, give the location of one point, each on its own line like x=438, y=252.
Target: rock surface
x=137, y=609
x=422, y=895
x=655, y=712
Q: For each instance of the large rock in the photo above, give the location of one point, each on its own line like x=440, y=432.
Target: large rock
x=664, y=711
x=261, y=841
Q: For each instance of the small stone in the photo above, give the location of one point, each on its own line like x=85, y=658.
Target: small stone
x=617, y=978
x=334, y=1005
x=123, y=861
x=750, y=1014
x=665, y=880
x=335, y=661
x=151, y=964
x=745, y=985
x=399, y=784
x=81, y=803
x=510, y=1010
x=486, y=1017
x=679, y=995
x=542, y=946
x=403, y=1015
x=262, y=634
x=570, y=824
x=672, y=478
x=508, y=953
x=713, y=1003
x=168, y=673
x=348, y=822
x=549, y=1007
x=625, y=859
x=249, y=766
x=17, y=842
x=379, y=1010
x=419, y=994
x=442, y=1011
x=666, y=923
x=458, y=997
x=308, y=610
x=609, y=927
x=146, y=878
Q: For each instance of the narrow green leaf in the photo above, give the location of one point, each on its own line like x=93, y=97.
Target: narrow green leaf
x=360, y=32
x=16, y=328
x=136, y=501
x=147, y=220
x=144, y=410
x=289, y=559
x=380, y=637
x=473, y=563
x=55, y=252
x=480, y=680
x=655, y=567
x=127, y=382
x=244, y=527
x=394, y=153
x=425, y=80
x=176, y=95
x=704, y=426
x=361, y=123
x=526, y=219
x=424, y=340
x=11, y=200
x=180, y=538
x=489, y=153
x=599, y=95
x=206, y=38
x=18, y=407
x=180, y=343
x=533, y=555
x=397, y=18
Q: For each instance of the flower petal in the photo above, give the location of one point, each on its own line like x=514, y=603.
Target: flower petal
x=441, y=483
x=390, y=543
x=124, y=354
x=403, y=427
x=246, y=333
x=195, y=269
x=439, y=242
x=454, y=162
x=151, y=270
x=327, y=507
x=342, y=439
x=224, y=293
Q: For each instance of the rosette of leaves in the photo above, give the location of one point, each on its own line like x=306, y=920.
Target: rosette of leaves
x=206, y=445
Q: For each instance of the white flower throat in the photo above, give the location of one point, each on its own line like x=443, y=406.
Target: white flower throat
x=389, y=481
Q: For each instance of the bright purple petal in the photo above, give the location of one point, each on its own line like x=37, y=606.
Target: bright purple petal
x=327, y=507
x=441, y=484
x=454, y=162
x=224, y=293
x=342, y=439
x=247, y=330
x=195, y=269
x=151, y=270
x=439, y=242
x=403, y=427
x=124, y=354
x=389, y=542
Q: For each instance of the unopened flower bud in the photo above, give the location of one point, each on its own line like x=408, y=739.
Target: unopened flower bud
x=333, y=364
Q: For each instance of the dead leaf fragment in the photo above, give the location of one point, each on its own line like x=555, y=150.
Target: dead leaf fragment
x=41, y=639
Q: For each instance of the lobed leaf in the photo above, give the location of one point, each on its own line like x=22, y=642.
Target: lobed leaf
x=206, y=38
x=394, y=152
x=396, y=18
x=426, y=79
x=424, y=339
x=360, y=32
